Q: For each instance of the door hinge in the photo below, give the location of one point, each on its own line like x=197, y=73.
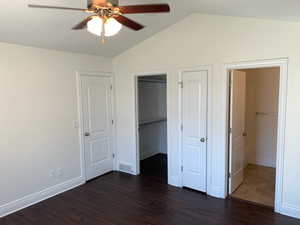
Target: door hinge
x=181, y=84
x=113, y=155
x=229, y=175
x=112, y=122
x=181, y=168
x=230, y=130
x=181, y=127
x=111, y=87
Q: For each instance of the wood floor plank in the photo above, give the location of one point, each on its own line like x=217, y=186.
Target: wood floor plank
x=121, y=199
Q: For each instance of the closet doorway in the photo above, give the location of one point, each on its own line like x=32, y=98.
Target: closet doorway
x=151, y=109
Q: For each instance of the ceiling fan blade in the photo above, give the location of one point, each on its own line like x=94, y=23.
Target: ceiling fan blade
x=56, y=7
x=129, y=23
x=83, y=24
x=156, y=8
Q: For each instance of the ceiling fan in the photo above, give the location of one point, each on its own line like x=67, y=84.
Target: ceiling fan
x=107, y=16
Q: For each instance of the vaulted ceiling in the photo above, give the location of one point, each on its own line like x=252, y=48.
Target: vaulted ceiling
x=51, y=29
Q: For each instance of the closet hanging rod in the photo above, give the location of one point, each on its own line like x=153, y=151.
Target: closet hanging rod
x=144, y=123
x=153, y=81
x=266, y=113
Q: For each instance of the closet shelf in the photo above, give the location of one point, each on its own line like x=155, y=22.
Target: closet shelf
x=148, y=122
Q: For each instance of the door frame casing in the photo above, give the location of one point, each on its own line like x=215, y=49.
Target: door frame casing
x=257, y=64
x=136, y=120
x=79, y=75
x=209, y=164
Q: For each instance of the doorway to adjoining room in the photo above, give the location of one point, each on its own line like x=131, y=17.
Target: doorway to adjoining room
x=254, y=100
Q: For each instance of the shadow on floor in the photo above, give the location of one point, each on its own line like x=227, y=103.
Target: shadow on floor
x=155, y=167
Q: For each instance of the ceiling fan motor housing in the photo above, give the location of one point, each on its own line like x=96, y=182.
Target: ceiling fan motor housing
x=103, y=3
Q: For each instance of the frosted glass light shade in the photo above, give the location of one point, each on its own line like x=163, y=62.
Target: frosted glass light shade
x=112, y=26
x=94, y=26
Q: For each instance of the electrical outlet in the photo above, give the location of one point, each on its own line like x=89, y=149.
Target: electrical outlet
x=59, y=172
x=56, y=173
x=52, y=173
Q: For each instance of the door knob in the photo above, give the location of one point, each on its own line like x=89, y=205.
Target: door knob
x=87, y=134
x=203, y=139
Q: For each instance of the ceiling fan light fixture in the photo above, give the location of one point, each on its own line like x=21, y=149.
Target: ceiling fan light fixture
x=108, y=17
x=94, y=26
x=111, y=26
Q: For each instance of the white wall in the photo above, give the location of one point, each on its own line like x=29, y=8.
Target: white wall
x=38, y=102
x=152, y=107
x=211, y=40
x=262, y=89
x=152, y=101
x=250, y=123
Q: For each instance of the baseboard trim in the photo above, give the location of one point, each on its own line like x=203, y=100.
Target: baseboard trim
x=290, y=210
x=37, y=197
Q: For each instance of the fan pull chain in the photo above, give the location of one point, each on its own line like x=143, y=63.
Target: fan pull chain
x=103, y=31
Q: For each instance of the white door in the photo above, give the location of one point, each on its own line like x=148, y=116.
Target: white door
x=97, y=125
x=237, y=125
x=194, y=132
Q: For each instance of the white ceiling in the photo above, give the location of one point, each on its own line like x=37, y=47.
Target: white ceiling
x=52, y=28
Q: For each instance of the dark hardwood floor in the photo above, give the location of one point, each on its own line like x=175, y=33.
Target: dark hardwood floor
x=121, y=199
x=155, y=167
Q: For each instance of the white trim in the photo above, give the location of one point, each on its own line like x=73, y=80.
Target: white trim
x=209, y=188
x=80, y=125
x=290, y=210
x=34, y=198
x=114, y=126
x=136, y=127
x=80, y=116
x=283, y=64
x=136, y=121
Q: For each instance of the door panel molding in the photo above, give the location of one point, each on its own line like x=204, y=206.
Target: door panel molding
x=80, y=122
